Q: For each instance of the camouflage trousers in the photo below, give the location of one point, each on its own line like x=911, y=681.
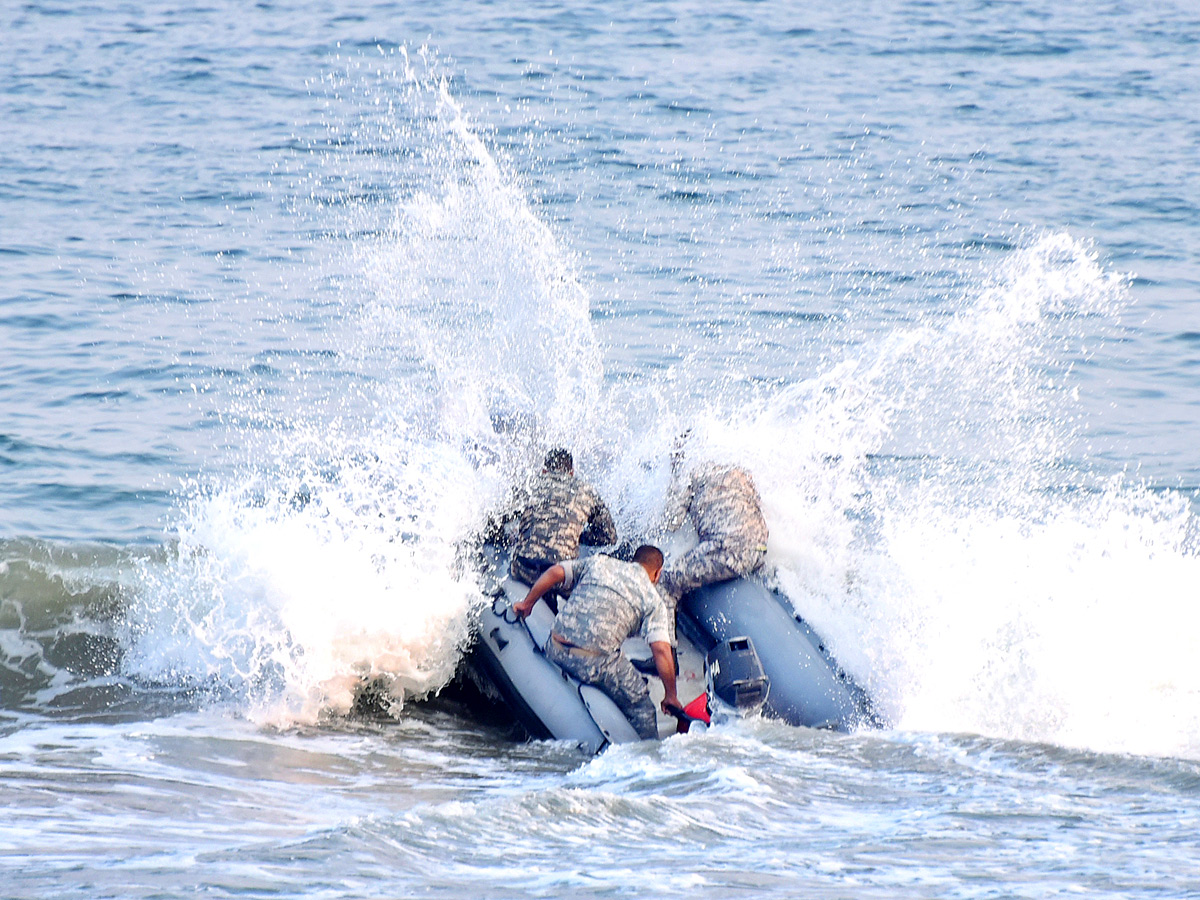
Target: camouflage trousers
x=616, y=676
x=707, y=563
x=527, y=570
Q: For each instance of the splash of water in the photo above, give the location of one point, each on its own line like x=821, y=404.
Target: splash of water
x=932, y=509
x=462, y=337
x=928, y=518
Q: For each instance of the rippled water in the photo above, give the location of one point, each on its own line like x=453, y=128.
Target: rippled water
x=430, y=806
x=273, y=275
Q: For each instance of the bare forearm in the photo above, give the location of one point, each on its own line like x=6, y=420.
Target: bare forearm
x=547, y=581
x=665, y=663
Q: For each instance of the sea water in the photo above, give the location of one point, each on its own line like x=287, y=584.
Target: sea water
x=294, y=293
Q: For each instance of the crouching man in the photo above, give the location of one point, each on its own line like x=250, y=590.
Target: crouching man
x=724, y=504
x=559, y=512
x=610, y=601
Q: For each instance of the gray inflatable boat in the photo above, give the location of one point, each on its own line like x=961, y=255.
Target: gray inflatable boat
x=807, y=687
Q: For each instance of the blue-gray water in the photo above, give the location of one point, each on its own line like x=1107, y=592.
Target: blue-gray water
x=270, y=277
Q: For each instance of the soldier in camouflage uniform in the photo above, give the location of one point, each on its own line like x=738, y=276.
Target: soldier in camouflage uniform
x=610, y=601
x=725, y=507
x=558, y=513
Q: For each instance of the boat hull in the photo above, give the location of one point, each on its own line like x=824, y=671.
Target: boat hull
x=807, y=687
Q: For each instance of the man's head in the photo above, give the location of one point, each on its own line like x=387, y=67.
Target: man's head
x=651, y=559
x=560, y=460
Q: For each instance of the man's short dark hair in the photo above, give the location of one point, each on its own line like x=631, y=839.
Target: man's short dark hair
x=649, y=556
x=559, y=460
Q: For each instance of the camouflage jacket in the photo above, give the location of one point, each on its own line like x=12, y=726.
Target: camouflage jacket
x=559, y=511
x=609, y=601
x=723, y=503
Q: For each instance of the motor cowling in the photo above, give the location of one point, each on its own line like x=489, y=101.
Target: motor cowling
x=737, y=684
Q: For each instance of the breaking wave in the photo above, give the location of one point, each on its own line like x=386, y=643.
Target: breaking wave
x=933, y=508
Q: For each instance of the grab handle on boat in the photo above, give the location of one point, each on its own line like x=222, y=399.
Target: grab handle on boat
x=502, y=608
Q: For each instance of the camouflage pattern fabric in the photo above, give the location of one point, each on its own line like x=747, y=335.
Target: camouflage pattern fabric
x=609, y=601
x=527, y=570
x=723, y=503
x=616, y=676
x=707, y=563
x=725, y=507
x=559, y=512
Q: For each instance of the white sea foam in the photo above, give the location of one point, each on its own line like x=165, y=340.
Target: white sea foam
x=291, y=598
x=335, y=556
x=923, y=515
x=934, y=515
x=924, y=521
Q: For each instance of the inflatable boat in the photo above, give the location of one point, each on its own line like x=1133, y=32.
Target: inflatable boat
x=803, y=685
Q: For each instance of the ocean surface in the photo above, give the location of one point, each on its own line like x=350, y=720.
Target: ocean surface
x=292, y=293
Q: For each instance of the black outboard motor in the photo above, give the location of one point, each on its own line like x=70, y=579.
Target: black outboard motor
x=737, y=684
